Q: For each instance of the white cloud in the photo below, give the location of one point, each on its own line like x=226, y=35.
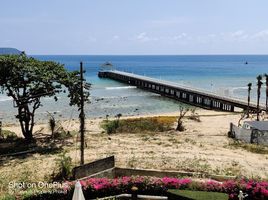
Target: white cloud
x=142, y=36
x=261, y=35
x=145, y=38
x=180, y=36
x=237, y=33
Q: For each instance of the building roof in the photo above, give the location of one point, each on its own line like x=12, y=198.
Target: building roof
x=259, y=125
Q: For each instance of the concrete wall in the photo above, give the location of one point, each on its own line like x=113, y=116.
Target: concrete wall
x=146, y=172
x=108, y=173
x=120, y=172
x=249, y=136
x=240, y=133
x=93, y=167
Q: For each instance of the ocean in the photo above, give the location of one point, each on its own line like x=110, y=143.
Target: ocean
x=226, y=75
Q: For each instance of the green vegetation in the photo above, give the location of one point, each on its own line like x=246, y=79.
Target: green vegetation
x=26, y=80
x=8, y=197
x=150, y=124
x=63, y=170
x=195, y=195
x=254, y=148
x=6, y=135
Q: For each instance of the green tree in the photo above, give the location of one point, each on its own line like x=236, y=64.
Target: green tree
x=27, y=80
x=259, y=84
x=249, y=89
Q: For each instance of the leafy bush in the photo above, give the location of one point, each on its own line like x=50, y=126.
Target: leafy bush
x=63, y=169
x=137, y=125
x=8, y=135
x=8, y=197
x=111, y=126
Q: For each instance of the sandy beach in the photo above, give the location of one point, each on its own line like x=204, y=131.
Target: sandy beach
x=202, y=147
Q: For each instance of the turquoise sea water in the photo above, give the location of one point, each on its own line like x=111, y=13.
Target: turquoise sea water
x=224, y=74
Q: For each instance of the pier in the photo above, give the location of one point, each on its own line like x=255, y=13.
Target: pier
x=188, y=95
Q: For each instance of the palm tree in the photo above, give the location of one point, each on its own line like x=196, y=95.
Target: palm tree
x=249, y=89
x=266, y=77
x=259, y=83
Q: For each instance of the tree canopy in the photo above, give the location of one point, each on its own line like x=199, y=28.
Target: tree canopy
x=26, y=80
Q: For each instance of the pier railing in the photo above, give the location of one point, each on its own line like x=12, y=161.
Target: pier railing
x=186, y=94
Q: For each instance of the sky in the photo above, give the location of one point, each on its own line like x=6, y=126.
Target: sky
x=135, y=27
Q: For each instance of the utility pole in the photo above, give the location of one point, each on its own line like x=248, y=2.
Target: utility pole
x=82, y=114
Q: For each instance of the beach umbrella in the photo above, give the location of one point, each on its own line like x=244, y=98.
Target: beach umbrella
x=78, y=193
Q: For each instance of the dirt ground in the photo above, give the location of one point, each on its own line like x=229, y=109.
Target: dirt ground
x=203, y=147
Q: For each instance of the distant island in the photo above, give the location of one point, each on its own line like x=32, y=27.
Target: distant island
x=9, y=51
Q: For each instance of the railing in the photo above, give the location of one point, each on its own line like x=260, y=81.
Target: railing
x=204, y=93
x=189, y=89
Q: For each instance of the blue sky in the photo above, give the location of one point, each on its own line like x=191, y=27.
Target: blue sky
x=135, y=26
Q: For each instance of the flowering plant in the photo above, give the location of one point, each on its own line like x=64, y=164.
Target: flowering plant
x=101, y=187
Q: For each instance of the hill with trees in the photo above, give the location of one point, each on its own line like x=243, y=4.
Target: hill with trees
x=9, y=51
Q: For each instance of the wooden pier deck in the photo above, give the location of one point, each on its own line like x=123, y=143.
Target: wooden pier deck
x=188, y=95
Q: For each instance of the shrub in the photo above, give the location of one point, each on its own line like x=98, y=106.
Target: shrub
x=101, y=187
x=8, y=197
x=8, y=135
x=183, y=111
x=194, y=116
x=137, y=125
x=63, y=169
x=111, y=126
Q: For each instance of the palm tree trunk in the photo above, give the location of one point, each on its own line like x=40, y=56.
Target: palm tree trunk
x=259, y=83
x=258, y=103
x=266, y=103
x=266, y=95
x=249, y=89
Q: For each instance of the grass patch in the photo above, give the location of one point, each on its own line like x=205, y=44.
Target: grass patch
x=254, y=148
x=195, y=195
x=137, y=125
